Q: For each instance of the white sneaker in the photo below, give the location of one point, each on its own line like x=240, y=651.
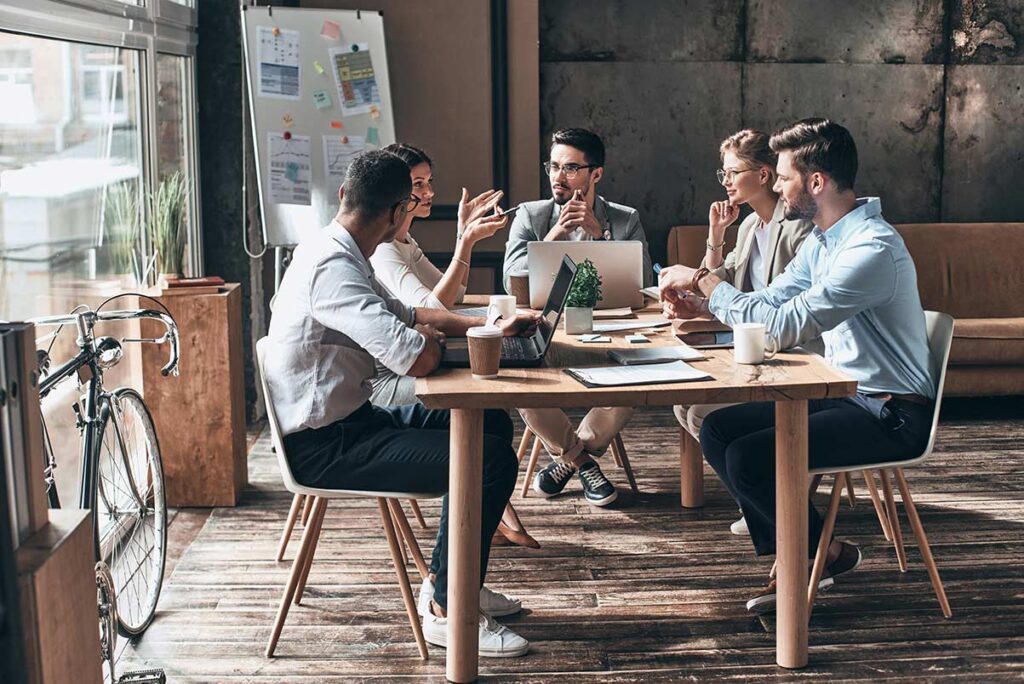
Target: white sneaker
x=739, y=528
x=491, y=602
x=495, y=640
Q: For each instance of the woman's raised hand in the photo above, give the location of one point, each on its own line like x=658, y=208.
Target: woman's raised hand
x=721, y=216
x=472, y=209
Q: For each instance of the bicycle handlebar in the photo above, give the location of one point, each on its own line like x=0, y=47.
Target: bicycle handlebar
x=85, y=320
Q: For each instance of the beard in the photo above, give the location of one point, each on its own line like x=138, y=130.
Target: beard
x=803, y=207
x=569, y=192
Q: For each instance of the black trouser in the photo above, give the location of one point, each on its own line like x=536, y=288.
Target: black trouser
x=739, y=443
x=405, y=449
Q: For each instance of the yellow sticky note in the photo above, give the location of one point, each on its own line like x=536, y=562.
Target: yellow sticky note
x=319, y=68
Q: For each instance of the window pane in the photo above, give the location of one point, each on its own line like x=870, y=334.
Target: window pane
x=70, y=173
x=173, y=158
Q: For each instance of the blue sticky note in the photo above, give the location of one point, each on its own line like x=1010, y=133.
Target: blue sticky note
x=291, y=171
x=321, y=98
x=372, y=137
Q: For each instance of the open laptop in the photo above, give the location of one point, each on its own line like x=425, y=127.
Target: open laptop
x=619, y=263
x=523, y=352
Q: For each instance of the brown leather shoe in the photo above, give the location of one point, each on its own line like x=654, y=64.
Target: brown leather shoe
x=518, y=537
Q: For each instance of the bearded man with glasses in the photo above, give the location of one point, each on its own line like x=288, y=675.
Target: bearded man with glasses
x=574, y=212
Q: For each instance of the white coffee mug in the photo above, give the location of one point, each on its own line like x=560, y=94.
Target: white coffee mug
x=503, y=306
x=752, y=344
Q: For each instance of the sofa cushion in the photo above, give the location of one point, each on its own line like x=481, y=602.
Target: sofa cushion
x=968, y=270
x=987, y=341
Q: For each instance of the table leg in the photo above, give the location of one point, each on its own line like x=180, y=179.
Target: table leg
x=791, y=532
x=465, y=478
x=691, y=471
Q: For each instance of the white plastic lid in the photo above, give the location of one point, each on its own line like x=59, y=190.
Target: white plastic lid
x=484, y=331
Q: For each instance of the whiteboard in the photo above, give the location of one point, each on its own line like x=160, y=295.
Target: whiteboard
x=319, y=93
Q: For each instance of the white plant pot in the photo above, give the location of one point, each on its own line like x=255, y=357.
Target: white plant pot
x=578, y=320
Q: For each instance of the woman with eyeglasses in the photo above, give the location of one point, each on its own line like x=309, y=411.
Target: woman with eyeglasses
x=401, y=267
x=765, y=244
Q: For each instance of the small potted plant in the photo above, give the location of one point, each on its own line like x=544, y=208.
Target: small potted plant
x=168, y=216
x=583, y=297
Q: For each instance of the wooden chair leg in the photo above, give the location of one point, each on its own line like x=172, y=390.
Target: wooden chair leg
x=824, y=541
x=403, y=577
x=401, y=538
x=616, y=454
x=524, y=443
x=815, y=481
x=775, y=566
x=410, y=538
x=849, y=489
x=289, y=525
x=414, y=505
x=876, y=501
x=922, y=541
x=307, y=510
x=317, y=523
x=531, y=467
x=894, y=521
x=293, y=580
x=619, y=450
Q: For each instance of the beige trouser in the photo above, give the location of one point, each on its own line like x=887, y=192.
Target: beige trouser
x=692, y=417
x=595, y=433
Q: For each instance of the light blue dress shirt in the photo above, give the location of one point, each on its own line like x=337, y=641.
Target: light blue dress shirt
x=855, y=285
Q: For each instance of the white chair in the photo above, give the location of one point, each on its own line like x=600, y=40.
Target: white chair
x=940, y=336
x=387, y=502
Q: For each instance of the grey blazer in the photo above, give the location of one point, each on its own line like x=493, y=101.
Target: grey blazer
x=535, y=219
x=785, y=239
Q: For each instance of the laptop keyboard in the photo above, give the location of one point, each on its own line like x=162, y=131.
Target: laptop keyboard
x=517, y=348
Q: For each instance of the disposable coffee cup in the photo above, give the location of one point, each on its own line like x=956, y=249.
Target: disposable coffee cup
x=484, y=351
x=519, y=287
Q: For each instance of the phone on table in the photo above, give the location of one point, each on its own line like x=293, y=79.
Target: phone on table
x=721, y=339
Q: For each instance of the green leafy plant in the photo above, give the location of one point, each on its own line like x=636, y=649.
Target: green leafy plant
x=586, y=288
x=167, y=227
x=123, y=220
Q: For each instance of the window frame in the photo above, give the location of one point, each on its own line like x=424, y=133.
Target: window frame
x=152, y=27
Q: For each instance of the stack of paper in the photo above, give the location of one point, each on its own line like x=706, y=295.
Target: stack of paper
x=636, y=357
x=618, y=326
x=653, y=374
x=621, y=312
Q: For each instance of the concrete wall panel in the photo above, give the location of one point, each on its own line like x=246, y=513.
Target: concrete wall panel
x=987, y=32
x=893, y=112
x=661, y=124
x=645, y=30
x=984, y=146
x=895, y=31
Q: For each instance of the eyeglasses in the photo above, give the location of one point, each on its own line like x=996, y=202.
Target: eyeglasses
x=408, y=204
x=728, y=176
x=570, y=170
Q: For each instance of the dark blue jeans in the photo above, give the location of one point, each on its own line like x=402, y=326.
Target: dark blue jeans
x=739, y=443
x=405, y=449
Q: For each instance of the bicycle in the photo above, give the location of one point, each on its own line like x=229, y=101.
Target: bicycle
x=121, y=478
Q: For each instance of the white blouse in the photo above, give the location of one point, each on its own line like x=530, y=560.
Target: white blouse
x=408, y=275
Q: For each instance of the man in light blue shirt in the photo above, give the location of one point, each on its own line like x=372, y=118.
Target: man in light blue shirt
x=854, y=284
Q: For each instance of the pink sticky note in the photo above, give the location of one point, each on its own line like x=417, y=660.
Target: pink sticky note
x=337, y=124
x=330, y=30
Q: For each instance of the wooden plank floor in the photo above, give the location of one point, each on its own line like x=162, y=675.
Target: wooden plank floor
x=644, y=591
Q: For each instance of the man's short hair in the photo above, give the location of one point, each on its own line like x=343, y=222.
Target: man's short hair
x=375, y=181
x=822, y=146
x=587, y=142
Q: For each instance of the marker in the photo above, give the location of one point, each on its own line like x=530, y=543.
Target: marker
x=657, y=269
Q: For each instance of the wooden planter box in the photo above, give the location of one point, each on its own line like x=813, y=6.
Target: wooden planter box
x=200, y=415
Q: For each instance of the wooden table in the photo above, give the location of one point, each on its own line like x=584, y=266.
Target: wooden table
x=790, y=380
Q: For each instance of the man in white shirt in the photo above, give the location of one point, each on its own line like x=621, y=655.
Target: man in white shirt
x=331, y=320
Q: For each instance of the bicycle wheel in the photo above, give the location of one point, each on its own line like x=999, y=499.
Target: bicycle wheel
x=131, y=513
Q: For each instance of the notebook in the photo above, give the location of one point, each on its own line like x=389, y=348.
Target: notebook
x=637, y=357
x=651, y=374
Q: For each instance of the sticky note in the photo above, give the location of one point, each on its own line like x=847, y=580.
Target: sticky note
x=330, y=30
x=318, y=67
x=291, y=171
x=372, y=136
x=337, y=124
x=598, y=338
x=288, y=120
x=321, y=98
x=636, y=339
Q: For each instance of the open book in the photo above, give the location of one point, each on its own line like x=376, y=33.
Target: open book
x=651, y=374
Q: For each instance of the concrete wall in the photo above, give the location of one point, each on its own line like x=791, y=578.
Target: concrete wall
x=931, y=89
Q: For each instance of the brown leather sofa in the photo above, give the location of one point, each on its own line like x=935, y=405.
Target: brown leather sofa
x=972, y=271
